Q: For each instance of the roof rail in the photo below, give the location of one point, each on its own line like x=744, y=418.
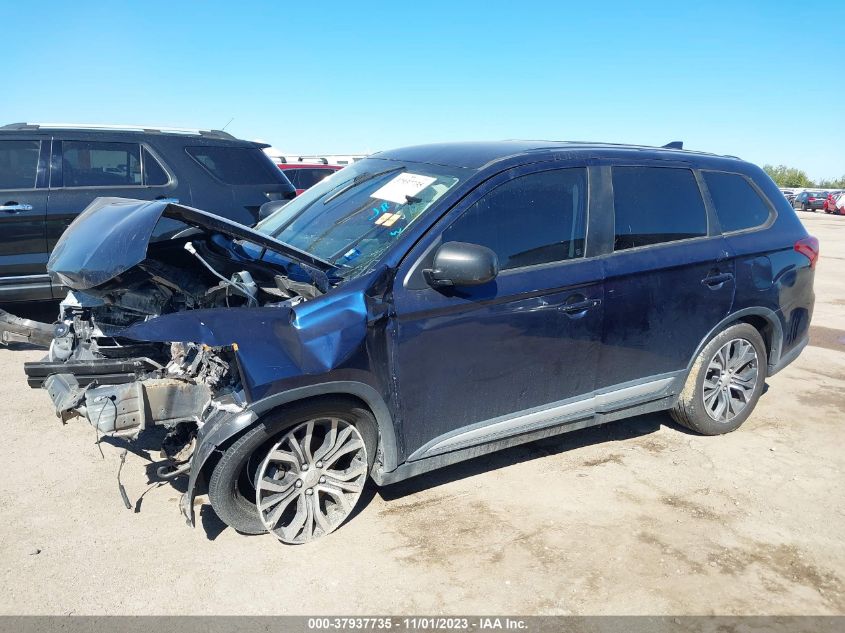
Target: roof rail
x=126, y=128
x=320, y=160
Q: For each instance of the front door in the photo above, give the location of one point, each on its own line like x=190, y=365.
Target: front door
x=23, y=204
x=479, y=363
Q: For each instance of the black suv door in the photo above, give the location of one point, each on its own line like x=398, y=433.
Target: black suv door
x=23, y=204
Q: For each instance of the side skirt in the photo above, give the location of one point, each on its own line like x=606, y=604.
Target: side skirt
x=658, y=402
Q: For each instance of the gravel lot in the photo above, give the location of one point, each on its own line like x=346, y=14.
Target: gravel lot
x=635, y=517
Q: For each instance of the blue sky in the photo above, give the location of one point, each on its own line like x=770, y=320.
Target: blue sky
x=745, y=78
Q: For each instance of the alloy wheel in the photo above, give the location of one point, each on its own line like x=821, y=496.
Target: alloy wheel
x=311, y=479
x=731, y=379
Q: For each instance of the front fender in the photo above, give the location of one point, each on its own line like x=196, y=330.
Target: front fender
x=273, y=342
x=226, y=423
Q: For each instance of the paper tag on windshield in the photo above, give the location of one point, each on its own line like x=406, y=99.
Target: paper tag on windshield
x=403, y=186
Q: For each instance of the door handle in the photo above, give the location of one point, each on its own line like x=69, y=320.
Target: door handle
x=579, y=306
x=716, y=280
x=14, y=207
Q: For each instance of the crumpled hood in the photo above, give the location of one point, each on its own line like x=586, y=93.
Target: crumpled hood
x=112, y=235
x=275, y=342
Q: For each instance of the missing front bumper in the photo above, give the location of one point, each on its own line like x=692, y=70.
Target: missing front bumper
x=131, y=406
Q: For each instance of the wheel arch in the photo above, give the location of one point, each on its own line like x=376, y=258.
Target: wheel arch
x=764, y=320
x=221, y=434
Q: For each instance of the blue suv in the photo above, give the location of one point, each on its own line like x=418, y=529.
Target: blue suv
x=424, y=306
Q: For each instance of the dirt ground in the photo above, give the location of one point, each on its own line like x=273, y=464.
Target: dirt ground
x=636, y=517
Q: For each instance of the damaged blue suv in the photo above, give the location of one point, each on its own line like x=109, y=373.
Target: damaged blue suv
x=424, y=306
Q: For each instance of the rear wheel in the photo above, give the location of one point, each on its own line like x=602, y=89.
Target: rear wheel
x=269, y=479
x=725, y=382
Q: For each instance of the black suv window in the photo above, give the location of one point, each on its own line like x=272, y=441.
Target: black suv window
x=738, y=205
x=237, y=165
x=98, y=164
x=655, y=205
x=532, y=219
x=154, y=173
x=18, y=164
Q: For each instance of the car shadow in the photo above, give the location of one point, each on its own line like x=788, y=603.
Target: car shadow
x=211, y=524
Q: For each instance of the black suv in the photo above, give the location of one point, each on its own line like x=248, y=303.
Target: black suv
x=50, y=173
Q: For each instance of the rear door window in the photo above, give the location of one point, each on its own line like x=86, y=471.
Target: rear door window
x=654, y=205
x=738, y=205
x=99, y=164
x=533, y=219
x=18, y=164
x=237, y=165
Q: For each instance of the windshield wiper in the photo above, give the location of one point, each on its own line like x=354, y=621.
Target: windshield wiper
x=361, y=179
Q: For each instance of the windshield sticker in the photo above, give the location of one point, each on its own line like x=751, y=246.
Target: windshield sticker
x=388, y=219
x=348, y=256
x=403, y=187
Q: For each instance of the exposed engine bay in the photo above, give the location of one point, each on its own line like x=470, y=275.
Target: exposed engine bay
x=123, y=385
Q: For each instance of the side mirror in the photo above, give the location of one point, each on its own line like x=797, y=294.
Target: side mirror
x=269, y=208
x=462, y=264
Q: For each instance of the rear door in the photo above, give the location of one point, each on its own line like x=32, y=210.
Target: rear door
x=668, y=281
x=23, y=204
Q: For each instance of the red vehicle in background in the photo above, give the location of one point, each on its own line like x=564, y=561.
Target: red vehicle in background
x=305, y=175
x=830, y=201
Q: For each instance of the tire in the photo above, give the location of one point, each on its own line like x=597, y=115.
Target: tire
x=804, y=207
x=231, y=488
x=696, y=404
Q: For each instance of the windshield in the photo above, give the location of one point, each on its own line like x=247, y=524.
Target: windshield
x=352, y=217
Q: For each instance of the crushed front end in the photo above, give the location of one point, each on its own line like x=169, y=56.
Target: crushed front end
x=148, y=333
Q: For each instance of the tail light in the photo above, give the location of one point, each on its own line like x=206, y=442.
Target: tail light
x=809, y=248
x=811, y=199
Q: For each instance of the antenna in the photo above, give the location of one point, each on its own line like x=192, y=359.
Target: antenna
x=674, y=145
x=222, y=129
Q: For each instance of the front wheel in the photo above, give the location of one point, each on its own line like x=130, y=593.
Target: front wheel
x=299, y=473
x=725, y=382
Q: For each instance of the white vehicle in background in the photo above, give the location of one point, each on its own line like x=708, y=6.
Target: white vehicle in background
x=334, y=159
x=840, y=204
x=279, y=156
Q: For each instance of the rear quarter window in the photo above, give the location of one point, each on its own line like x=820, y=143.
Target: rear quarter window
x=654, y=205
x=237, y=165
x=738, y=205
